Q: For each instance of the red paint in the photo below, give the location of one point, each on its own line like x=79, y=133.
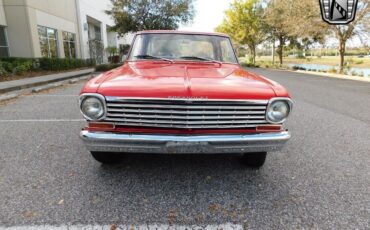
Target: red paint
x=161, y=79
x=184, y=79
x=179, y=32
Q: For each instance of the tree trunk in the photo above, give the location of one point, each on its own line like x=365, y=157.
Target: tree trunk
x=342, y=50
x=280, y=50
x=254, y=55
x=273, y=51
x=252, y=49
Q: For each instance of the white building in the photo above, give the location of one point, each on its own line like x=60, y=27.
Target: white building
x=95, y=33
x=57, y=28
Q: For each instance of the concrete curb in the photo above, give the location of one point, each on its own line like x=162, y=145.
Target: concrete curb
x=73, y=81
x=63, y=77
x=17, y=93
x=321, y=74
x=6, y=97
x=333, y=75
x=46, y=87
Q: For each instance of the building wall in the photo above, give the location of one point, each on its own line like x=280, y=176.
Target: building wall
x=2, y=14
x=56, y=14
x=18, y=28
x=92, y=12
x=24, y=17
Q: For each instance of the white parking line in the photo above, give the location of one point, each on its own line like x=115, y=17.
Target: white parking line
x=127, y=227
x=48, y=120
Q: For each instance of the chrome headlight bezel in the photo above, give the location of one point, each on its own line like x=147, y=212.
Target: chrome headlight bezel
x=271, y=102
x=100, y=97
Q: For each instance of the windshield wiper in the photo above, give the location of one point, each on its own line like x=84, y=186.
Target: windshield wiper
x=146, y=56
x=201, y=59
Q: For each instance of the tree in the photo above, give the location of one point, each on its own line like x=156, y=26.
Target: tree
x=306, y=22
x=243, y=24
x=359, y=26
x=276, y=18
x=132, y=16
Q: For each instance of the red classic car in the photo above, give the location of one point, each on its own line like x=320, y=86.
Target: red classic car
x=181, y=93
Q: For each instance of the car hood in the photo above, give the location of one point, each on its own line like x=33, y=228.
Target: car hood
x=188, y=80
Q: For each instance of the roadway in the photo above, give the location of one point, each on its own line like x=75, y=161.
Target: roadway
x=320, y=180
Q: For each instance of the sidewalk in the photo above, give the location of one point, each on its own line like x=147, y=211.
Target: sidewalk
x=8, y=86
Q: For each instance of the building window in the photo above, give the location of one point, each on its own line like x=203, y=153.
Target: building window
x=48, y=42
x=69, y=43
x=4, y=48
x=97, y=32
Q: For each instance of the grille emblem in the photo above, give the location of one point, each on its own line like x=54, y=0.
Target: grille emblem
x=338, y=11
x=187, y=98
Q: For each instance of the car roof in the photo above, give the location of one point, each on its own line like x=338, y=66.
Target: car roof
x=180, y=32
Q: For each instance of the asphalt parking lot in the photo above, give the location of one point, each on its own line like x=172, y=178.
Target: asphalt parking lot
x=321, y=180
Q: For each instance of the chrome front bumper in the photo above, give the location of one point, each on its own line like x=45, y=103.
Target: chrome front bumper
x=183, y=144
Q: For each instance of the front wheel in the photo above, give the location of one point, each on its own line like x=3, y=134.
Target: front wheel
x=254, y=160
x=107, y=157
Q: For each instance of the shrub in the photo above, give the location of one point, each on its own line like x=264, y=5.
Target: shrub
x=64, y=63
x=17, y=65
x=21, y=68
x=106, y=67
x=332, y=70
x=358, y=74
x=300, y=55
x=3, y=72
x=22, y=65
x=298, y=68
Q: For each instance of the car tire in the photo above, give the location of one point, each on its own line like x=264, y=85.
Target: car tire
x=254, y=160
x=107, y=157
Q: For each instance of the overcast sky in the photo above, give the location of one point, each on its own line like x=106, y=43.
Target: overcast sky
x=208, y=15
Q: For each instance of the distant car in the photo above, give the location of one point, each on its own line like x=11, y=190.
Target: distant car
x=360, y=56
x=183, y=93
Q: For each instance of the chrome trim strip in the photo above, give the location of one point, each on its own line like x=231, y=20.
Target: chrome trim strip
x=156, y=143
x=187, y=122
x=220, y=107
x=100, y=97
x=175, y=117
x=184, y=112
x=114, y=99
x=155, y=125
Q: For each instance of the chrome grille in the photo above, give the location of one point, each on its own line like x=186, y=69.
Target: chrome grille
x=186, y=114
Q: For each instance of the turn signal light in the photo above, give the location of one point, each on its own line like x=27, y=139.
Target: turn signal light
x=268, y=128
x=101, y=126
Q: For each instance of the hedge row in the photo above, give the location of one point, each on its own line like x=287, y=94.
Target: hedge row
x=22, y=65
x=107, y=67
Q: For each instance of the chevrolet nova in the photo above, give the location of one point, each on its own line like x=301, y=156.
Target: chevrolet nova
x=183, y=93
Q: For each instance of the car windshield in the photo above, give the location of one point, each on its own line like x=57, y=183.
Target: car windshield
x=170, y=47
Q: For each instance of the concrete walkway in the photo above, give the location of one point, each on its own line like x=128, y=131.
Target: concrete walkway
x=8, y=86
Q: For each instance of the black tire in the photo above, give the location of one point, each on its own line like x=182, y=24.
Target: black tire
x=107, y=157
x=254, y=160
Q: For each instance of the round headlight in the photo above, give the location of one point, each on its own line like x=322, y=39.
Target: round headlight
x=92, y=108
x=277, y=111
